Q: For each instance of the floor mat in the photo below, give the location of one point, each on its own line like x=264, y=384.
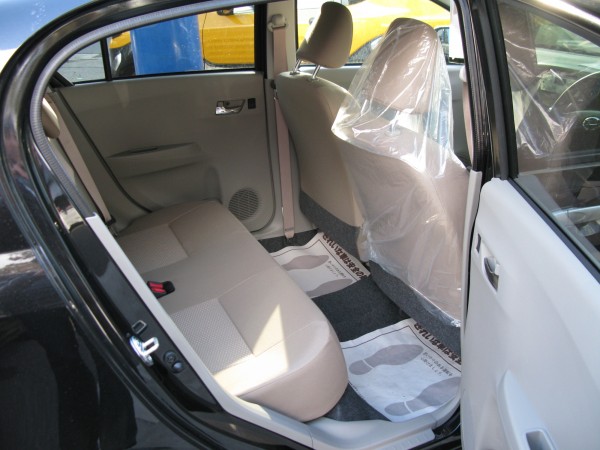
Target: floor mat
x=321, y=266
x=351, y=408
x=277, y=243
x=402, y=371
x=359, y=309
x=354, y=311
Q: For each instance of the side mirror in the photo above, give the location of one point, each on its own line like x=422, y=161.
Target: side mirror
x=225, y=12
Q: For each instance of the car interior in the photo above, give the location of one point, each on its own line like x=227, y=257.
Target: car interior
x=179, y=192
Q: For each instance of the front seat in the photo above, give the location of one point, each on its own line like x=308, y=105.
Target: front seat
x=411, y=187
x=310, y=104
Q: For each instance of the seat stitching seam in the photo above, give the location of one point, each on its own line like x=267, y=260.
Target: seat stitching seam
x=178, y=240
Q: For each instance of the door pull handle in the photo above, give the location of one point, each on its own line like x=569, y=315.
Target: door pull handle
x=226, y=107
x=492, y=271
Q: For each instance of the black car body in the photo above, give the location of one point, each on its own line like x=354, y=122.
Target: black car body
x=70, y=377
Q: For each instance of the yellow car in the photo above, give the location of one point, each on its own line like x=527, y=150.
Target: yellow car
x=227, y=36
x=371, y=19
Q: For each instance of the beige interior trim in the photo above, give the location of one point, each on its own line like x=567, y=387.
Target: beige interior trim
x=66, y=140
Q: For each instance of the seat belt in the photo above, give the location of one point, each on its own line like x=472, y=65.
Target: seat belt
x=68, y=144
x=278, y=25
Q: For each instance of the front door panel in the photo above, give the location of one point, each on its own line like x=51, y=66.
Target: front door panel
x=531, y=365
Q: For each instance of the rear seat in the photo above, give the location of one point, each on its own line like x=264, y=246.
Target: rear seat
x=255, y=329
x=259, y=334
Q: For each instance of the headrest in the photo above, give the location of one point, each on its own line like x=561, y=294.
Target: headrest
x=404, y=69
x=50, y=120
x=520, y=47
x=328, y=40
x=404, y=83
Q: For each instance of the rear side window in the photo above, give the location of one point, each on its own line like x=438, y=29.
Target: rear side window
x=85, y=65
x=371, y=19
x=217, y=40
x=555, y=88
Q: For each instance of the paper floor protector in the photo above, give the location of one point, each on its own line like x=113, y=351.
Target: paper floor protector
x=321, y=266
x=402, y=371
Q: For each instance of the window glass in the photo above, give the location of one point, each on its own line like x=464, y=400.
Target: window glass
x=85, y=65
x=217, y=40
x=371, y=19
x=555, y=86
x=222, y=39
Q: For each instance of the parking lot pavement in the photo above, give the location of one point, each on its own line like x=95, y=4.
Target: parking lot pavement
x=84, y=65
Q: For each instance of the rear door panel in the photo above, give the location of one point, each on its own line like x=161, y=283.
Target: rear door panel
x=531, y=365
x=165, y=144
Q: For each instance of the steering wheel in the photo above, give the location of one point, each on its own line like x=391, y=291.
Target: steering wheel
x=581, y=95
x=580, y=103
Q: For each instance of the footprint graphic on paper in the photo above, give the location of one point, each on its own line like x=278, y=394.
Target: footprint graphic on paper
x=329, y=286
x=434, y=395
x=394, y=355
x=305, y=262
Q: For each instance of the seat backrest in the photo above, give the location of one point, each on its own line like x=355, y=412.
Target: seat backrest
x=411, y=187
x=310, y=105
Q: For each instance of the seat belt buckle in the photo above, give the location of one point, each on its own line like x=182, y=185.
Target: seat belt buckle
x=161, y=288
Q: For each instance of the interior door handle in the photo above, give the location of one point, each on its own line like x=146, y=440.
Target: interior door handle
x=492, y=271
x=225, y=107
x=522, y=425
x=538, y=440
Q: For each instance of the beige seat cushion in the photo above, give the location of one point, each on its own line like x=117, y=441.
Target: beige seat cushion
x=259, y=334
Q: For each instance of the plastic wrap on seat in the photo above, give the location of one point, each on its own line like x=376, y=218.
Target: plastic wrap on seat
x=411, y=187
x=540, y=129
x=550, y=120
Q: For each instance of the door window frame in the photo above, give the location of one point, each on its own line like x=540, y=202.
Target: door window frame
x=260, y=30
x=583, y=25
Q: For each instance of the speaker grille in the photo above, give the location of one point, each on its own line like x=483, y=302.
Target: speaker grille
x=244, y=203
